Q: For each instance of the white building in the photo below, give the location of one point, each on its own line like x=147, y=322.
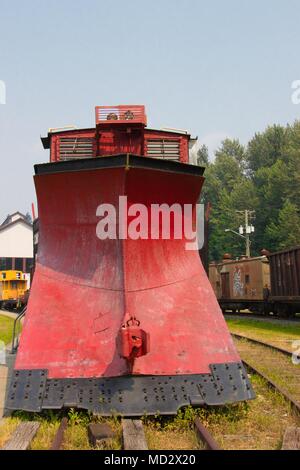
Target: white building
x=16, y=243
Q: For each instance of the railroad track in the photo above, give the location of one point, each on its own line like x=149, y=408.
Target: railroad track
x=262, y=343
x=256, y=362
x=133, y=436
x=133, y=430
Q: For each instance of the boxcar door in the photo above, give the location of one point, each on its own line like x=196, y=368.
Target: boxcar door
x=225, y=285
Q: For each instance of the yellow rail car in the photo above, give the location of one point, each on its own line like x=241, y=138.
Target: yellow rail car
x=13, y=289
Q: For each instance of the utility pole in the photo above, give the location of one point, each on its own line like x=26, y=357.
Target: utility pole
x=248, y=229
x=247, y=235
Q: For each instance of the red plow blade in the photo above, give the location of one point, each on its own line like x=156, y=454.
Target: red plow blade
x=120, y=325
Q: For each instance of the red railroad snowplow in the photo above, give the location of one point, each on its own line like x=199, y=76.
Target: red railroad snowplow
x=120, y=320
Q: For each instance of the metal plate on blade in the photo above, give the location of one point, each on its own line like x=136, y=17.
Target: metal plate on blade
x=130, y=395
x=26, y=390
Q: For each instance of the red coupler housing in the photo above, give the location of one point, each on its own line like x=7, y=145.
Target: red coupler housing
x=135, y=342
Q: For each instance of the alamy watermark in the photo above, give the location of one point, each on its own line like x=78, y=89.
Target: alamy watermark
x=296, y=353
x=2, y=92
x=295, y=97
x=2, y=353
x=155, y=222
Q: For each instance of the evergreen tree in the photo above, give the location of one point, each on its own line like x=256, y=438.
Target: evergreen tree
x=266, y=148
x=286, y=231
x=265, y=177
x=203, y=156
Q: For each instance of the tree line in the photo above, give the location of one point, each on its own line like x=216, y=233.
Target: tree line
x=263, y=176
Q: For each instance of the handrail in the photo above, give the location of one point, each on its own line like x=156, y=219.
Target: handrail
x=15, y=338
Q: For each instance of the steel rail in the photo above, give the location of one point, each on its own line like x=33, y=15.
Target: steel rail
x=262, y=343
x=204, y=435
x=134, y=436
x=59, y=436
x=294, y=404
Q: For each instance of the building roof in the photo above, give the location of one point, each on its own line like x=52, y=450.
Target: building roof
x=9, y=220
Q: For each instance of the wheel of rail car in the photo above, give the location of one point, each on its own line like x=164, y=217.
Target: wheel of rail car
x=265, y=310
x=284, y=311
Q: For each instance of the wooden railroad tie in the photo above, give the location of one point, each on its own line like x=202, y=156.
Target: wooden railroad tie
x=100, y=434
x=133, y=435
x=291, y=439
x=22, y=436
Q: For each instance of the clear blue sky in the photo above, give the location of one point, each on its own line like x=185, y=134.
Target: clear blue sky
x=218, y=68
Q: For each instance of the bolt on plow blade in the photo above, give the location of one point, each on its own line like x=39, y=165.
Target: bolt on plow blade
x=124, y=322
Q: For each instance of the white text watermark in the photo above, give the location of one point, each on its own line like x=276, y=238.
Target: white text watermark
x=155, y=222
x=2, y=92
x=296, y=353
x=2, y=353
x=295, y=97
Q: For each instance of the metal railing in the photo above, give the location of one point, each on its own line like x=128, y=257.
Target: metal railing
x=16, y=332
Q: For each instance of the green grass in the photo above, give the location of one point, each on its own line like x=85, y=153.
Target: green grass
x=256, y=425
x=273, y=364
x=280, y=334
x=6, y=329
x=266, y=326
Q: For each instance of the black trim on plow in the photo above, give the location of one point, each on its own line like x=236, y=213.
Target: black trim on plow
x=118, y=161
x=31, y=390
